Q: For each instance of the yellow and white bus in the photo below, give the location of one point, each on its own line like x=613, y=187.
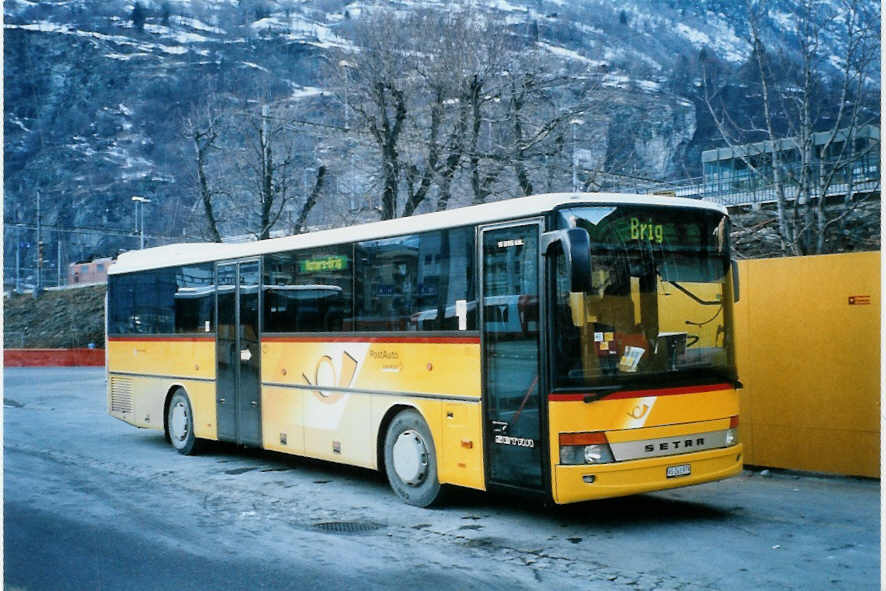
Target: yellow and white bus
x=574, y=346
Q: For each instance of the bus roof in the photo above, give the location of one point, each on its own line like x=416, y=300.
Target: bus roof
x=201, y=252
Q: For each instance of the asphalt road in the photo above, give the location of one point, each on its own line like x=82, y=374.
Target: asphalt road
x=92, y=503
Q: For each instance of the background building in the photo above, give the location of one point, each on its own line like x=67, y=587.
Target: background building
x=744, y=174
x=95, y=271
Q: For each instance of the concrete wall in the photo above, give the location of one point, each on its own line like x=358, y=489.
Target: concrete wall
x=53, y=357
x=808, y=348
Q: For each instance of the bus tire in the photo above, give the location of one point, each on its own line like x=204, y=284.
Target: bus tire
x=180, y=424
x=411, y=459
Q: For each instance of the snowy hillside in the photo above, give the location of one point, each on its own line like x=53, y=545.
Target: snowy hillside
x=99, y=93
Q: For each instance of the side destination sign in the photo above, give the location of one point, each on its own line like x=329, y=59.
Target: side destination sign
x=321, y=264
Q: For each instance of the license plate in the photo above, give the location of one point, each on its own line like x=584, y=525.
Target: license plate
x=677, y=471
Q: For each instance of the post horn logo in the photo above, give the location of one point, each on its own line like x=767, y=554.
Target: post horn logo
x=639, y=412
x=324, y=375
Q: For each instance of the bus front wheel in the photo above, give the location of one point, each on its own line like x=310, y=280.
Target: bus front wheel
x=411, y=459
x=180, y=424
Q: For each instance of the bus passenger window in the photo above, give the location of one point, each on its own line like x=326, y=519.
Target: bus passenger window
x=309, y=290
x=415, y=282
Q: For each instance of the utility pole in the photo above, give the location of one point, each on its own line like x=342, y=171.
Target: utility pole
x=58, y=274
x=38, y=286
x=18, y=259
x=574, y=122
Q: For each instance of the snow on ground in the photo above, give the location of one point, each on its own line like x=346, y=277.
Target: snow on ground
x=616, y=80
x=724, y=41
x=177, y=35
x=588, y=29
x=172, y=49
x=198, y=25
x=48, y=27
x=694, y=36
x=271, y=22
x=568, y=54
x=505, y=6
x=82, y=146
x=125, y=56
x=306, y=92
x=298, y=28
x=727, y=44
x=785, y=20
x=256, y=66
x=16, y=121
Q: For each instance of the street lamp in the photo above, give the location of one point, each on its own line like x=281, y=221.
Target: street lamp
x=138, y=204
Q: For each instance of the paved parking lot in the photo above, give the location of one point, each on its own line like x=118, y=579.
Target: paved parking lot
x=93, y=503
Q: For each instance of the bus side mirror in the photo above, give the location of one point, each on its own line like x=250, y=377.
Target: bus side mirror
x=576, y=246
x=735, y=290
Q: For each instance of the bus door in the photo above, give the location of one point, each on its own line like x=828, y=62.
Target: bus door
x=511, y=354
x=238, y=352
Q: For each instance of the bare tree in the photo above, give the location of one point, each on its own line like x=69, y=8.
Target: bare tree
x=276, y=160
x=249, y=164
x=202, y=128
x=310, y=201
x=447, y=69
x=811, y=114
x=453, y=103
x=412, y=86
x=541, y=98
x=377, y=81
x=271, y=172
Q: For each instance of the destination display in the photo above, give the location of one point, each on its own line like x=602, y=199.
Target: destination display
x=699, y=231
x=323, y=264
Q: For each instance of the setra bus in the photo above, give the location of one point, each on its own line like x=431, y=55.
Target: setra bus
x=574, y=346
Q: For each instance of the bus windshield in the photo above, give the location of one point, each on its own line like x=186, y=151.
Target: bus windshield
x=660, y=306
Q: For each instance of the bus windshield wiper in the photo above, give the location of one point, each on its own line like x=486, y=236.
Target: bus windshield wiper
x=693, y=296
x=601, y=392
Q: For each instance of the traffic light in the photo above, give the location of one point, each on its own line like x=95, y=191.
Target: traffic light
x=40, y=252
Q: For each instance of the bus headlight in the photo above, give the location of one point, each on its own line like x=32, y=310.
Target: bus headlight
x=584, y=448
x=597, y=454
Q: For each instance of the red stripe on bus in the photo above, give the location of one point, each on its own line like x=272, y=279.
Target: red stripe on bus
x=434, y=340
x=166, y=338
x=644, y=393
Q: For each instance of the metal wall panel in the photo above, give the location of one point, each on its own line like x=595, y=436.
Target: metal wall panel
x=808, y=347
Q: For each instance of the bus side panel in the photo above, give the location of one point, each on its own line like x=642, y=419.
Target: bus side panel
x=461, y=458
x=282, y=419
x=642, y=418
x=174, y=357
x=456, y=428
x=340, y=430
x=136, y=400
x=142, y=371
x=343, y=426
x=202, y=395
x=325, y=424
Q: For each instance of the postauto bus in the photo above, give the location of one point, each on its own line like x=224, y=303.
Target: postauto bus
x=574, y=346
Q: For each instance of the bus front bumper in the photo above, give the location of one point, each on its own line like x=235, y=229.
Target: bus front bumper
x=588, y=481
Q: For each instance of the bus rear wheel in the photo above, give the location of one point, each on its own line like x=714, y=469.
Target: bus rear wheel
x=180, y=424
x=411, y=459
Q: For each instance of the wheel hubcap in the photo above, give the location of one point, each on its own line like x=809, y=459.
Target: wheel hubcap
x=178, y=423
x=410, y=456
